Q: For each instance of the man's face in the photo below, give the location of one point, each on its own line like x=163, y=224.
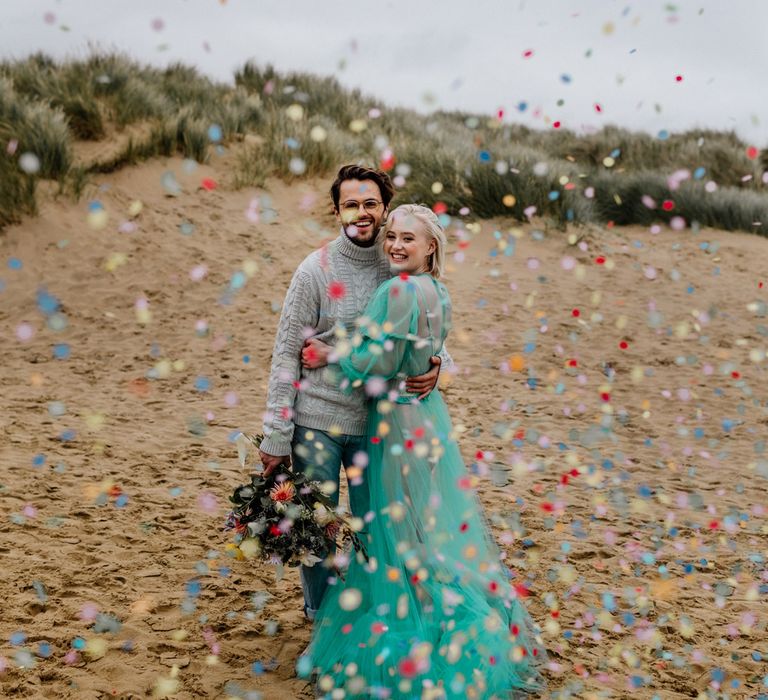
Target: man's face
x=361, y=211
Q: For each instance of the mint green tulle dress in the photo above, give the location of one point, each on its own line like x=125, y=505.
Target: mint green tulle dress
x=432, y=612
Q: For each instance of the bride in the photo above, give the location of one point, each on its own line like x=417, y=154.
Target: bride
x=431, y=613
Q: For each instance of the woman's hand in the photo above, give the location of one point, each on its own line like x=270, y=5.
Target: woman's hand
x=315, y=354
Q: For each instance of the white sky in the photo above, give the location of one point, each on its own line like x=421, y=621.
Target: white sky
x=468, y=54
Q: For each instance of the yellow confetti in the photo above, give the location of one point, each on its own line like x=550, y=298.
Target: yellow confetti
x=294, y=112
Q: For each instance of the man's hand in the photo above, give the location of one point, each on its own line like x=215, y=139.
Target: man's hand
x=272, y=462
x=424, y=383
x=315, y=354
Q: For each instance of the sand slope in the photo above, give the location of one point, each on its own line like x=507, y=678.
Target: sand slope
x=643, y=535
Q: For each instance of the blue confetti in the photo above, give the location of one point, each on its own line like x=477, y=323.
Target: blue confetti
x=214, y=133
x=47, y=303
x=61, y=351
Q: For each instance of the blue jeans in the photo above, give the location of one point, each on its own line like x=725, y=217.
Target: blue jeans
x=320, y=455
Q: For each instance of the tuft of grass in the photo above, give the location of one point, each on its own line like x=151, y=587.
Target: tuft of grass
x=67, y=87
x=526, y=183
x=638, y=198
x=253, y=167
x=38, y=128
x=431, y=176
x=17, y=189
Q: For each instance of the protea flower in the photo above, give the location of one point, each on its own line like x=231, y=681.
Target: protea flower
x=282, y=492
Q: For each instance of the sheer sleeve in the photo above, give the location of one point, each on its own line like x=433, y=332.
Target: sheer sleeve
x=390, y=322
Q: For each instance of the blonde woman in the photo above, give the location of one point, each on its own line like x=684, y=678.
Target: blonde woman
x=431, y=613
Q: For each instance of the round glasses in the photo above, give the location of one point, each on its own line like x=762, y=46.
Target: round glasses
x=368, y=204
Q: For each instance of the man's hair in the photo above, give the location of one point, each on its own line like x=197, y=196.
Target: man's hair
x=359, y=172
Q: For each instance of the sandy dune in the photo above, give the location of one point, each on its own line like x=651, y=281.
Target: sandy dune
x=626, y=485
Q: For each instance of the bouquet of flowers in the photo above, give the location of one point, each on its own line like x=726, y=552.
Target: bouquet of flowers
x=285, y=518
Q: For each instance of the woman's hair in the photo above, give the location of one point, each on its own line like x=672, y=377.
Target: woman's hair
x=432, y=227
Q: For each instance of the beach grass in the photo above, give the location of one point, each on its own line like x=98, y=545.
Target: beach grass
x=298, y=125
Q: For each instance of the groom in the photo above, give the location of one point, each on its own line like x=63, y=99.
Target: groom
x=310, y=421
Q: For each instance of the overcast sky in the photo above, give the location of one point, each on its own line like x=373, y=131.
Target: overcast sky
x=648, y=65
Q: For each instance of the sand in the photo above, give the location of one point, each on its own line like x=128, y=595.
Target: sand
x=632, y=503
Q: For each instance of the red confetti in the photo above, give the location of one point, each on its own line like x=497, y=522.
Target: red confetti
x=403, y=276
x=573, y=363
x=623, y=344
x=735, y=375
x=409, y=444
x=440, y=208
x=408, y=668
x=547, y=507
x=605, y=396
x=714, y=524
x=752, y=152
x=346, y=629
x=209, y=184
x=679, y=78
x=375, y=440
x=600, y=260
x=556, y=124
x=528, y=53
x=493, y=586
x=575, y=313
x=598, y=108
x=337, y=290
x=464, y=527
x=419, y=433
x=522, y=591
x=387, y=163
x=667, y=205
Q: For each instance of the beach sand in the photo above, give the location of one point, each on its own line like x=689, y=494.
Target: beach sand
x=627, y=486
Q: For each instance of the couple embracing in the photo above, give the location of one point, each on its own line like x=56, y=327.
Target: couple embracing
x=430, y=613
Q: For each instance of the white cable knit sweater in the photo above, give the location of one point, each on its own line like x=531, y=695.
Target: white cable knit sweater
x=350, y=274
x=331, y=286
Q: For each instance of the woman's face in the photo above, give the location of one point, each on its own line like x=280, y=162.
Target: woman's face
x=407, y=245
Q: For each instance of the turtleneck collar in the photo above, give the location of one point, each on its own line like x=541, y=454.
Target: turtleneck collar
x=354, y=252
